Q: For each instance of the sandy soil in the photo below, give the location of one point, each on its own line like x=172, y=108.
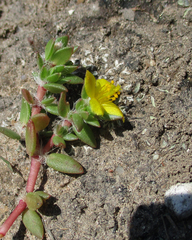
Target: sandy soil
x=145, y=46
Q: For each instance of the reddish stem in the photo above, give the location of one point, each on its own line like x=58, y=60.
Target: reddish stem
x=34, y=170
x=49, y=145
x=40, y=95
x=13, y=216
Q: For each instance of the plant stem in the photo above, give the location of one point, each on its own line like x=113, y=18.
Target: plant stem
x=49, y=145
x=34, y=170
x=13, y=216
x=40, y=95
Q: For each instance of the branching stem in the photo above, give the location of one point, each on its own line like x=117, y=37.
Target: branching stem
x=13, y=216
x=40, y=95
x=34, y=170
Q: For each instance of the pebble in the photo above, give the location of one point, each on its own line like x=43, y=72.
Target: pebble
x=179, y=199
x=128, y=14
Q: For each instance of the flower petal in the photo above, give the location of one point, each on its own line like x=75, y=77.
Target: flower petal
x=89, y=84
x=112, y=109
x=96, y=107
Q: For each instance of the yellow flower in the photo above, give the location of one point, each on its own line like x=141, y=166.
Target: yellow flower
x=102, y=94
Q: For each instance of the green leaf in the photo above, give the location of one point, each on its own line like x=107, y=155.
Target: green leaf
x=9, y=133
x=72, y=79
x=39, y=61
x=55, y=87
x=27, y=96
x=53, y=109
x=70, y=137
x=49, y=49
x=69, y=69
x=77, y=121
x=62, y=55
x=83, y=93
x=83, y=114
x=80, y=104
x=86, y=135
x=33, y=223
x=64, y=40
x=41, y=121
x=54, y=77
x=43, y=73
x=43, y=195
x=48, y=101
x=57, y=69
x=33, y=201
x=91, y=120
x=59, y=142
x=64, y=163
x=63, y=81
x=8, y=163
x=30, y=138
x=63, y=106
x=61, y=131
x=25, y=111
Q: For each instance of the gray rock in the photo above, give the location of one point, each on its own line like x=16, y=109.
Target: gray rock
x=179, y=199
x=128, y=14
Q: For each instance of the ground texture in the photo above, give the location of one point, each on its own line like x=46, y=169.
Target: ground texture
x=145, y=46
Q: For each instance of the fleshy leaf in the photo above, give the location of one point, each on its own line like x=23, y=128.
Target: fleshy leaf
x=84, y=93
x=48, y=101
x=41, y=121
x=86, y=135
x=91, y=120
x=25, y=111
x=43, y=195
x=27, y=96
x=64, y=40
x=62, y=55
x=63, y=106
x=55, y=87
x=54, y=77
x=83, y=114
x=53, y=109
x=57, y=69
x=30, y=138
x=43, y=73
x=8, y=163
x=49, y=49
x=63, y=81
x=72, y=79
x=33, y=223
x=59, y=141
x=33, y=201
x=64, y=163
x=77, y=121
x=80, y=104
x=69, y=69
x=9, y=133
x=70, y=137
x=61, y=131
x=39, y=61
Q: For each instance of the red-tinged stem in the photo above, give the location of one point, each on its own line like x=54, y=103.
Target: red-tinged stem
x=66, y=123
x=49, y=145
x=40, y=95
x=13, y=216
x=34, y=170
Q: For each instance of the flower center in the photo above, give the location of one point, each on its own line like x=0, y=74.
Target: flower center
x=108, y=92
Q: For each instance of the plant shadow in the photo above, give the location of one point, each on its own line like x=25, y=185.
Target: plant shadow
x=155, y=222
